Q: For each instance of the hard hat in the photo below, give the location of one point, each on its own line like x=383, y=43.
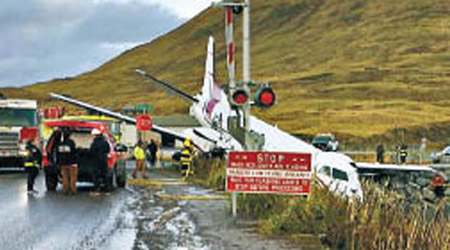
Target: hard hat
x=187, y=143
x=95, y=131
x=188, y=138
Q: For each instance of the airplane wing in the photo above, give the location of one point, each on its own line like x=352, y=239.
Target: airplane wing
x=202, y=135
x=116, y=115
x=366, y=168
x=171, y=89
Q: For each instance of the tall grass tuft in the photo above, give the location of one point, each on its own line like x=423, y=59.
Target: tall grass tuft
x=385, y=220
x=210, y=172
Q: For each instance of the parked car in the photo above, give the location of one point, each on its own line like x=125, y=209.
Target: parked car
x=325, y=142
x=442, y=157
x=81, y=135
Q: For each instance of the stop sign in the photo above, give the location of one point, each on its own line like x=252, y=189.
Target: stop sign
x=144, y=122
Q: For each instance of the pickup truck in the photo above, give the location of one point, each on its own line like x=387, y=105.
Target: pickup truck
x=81, y=135
x=325, y=142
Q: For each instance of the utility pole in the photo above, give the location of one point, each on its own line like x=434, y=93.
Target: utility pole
x=239, y=92
x=237, y=7
x=246, y=66
x=231, y=7
x=230, y=50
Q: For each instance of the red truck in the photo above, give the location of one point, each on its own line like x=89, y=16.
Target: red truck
x=81, y=135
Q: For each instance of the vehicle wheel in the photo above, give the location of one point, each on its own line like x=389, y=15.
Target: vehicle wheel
x=51, y=181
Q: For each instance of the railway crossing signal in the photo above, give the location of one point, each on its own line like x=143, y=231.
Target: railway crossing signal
x=237, y=9
x=240, y=97
x=265, y=96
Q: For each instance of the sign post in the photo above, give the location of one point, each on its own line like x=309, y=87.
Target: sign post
x=268, y=173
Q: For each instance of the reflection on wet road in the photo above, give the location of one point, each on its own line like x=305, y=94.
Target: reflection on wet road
x=160, y=213
x=55, y=221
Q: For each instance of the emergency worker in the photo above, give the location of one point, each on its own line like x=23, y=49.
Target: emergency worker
x=139, y=156
x=403, y=153
x=187, y=158
x=33, y=162
x=66, y=157
x=99, y=151
x=152, y=148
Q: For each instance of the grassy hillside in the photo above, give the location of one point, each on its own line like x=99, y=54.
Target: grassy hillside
x=359, y=68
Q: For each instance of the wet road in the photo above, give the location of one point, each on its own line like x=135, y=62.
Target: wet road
x=160, y=213
x=55, y=221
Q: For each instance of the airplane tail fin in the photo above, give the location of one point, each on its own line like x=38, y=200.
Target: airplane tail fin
x=210, y=89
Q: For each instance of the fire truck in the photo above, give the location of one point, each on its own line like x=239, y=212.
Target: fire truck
x=18, y=124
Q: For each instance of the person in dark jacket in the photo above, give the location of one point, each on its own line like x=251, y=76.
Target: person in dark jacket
x=99, y=152
x=152, y=148
x=51, y=146
x=380, y=153
x=66, y=157
x=33, y=162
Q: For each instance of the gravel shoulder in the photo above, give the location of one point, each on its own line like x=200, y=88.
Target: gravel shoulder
x=183, y=222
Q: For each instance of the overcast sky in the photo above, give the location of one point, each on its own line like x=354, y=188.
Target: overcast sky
x=45, y=39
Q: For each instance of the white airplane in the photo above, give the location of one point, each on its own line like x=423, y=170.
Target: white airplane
x=212, y=109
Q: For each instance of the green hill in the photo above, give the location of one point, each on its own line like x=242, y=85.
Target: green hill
x=358, y=68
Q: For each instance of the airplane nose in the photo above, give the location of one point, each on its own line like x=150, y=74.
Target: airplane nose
x=357, y=194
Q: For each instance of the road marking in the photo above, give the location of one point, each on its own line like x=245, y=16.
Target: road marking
x=193, y=197
x=154, y=182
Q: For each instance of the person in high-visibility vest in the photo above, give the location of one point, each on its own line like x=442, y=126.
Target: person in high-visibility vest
x=139, y=155
x=187, y=158
x=32, y=164
x=403, y=153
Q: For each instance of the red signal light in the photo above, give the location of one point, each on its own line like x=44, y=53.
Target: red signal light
x=240, y=97
x=265, y=97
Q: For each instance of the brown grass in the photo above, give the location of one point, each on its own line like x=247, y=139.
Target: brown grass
x=358, y=67
x=385, y=220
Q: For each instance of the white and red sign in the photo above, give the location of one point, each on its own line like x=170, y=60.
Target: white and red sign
x=144, y=122
x=269, y=172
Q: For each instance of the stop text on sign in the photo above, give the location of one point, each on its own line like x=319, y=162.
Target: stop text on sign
x=144, y=122
x=269, y=172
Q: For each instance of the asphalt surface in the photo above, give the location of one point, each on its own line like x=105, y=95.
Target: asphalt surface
x=162, y=212
x=54, y=221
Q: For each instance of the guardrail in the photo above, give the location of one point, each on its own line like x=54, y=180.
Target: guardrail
x=390, y=157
